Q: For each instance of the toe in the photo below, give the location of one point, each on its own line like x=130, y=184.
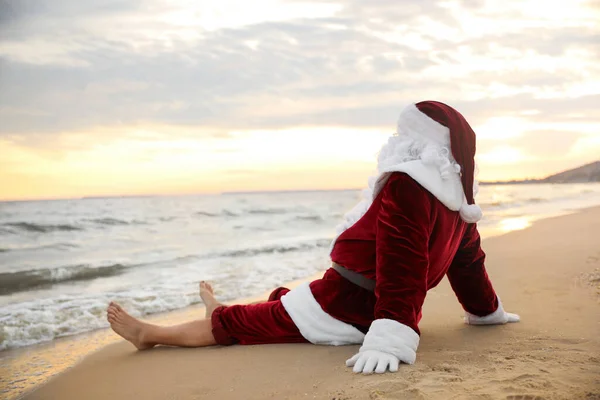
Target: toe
x=205, y=287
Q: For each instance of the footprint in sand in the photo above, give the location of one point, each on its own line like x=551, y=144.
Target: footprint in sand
x=524, y=397
x=568, y=340
x=446, y=368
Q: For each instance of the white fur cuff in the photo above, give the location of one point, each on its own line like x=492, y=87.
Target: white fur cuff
x=392, y=337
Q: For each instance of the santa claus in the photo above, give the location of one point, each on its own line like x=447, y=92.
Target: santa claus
x=415, y=225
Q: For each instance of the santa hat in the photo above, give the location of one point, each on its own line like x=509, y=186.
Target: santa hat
x=454, y=131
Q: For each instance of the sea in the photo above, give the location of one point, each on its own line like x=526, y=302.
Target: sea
x=63, y=261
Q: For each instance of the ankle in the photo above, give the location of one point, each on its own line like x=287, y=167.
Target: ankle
x=143, y=342
x=145, y=334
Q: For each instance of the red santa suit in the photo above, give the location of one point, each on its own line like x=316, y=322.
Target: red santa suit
x=414, y=226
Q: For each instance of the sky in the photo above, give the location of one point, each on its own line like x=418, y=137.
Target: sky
x=102, y=97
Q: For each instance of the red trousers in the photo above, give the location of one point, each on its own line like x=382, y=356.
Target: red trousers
x=270, y=323
x=262, y=323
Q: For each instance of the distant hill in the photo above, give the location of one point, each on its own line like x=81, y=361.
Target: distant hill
x=584, y=174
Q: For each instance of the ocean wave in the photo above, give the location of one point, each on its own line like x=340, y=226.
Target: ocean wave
x=46, y=319
x=52, y=246
x=64, y=314
x=115, y=222
x=12, y=282
x=108, y=221
x=206, y=214
x=42, y=228
x=504, y=204
x=252, y=211
x=320, y=243
x=223, y=213
x=313, y=218
x=268, y=211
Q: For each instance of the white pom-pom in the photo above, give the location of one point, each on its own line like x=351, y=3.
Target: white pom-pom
x=470, y=213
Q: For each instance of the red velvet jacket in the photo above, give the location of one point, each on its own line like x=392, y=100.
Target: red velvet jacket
x=407, y=241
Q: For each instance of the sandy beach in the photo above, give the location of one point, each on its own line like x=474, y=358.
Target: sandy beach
x=549, y=274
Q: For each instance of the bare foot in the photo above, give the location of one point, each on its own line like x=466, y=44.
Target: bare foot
x=127, y=326
x=208, y=297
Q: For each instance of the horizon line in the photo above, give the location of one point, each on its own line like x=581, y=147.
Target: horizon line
x=250, y=192
x=128, y=196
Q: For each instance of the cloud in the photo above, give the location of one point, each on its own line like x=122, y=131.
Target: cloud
x=84, y=66
x=547, y=143
x=541, y=144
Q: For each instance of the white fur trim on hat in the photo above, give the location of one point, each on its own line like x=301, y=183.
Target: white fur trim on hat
x=470, y=213
x=420, y=126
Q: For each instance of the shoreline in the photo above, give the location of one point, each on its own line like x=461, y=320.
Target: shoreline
x=81, y=347
x=61, y=354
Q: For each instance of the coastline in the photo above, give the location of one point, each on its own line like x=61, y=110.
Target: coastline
x=99, y=344
x=26, y=369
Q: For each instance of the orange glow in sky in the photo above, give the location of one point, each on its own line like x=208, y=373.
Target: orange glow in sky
x=185, y=97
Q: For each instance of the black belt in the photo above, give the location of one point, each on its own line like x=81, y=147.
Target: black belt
x=355, y=277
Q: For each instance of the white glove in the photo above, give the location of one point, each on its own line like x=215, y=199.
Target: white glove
x=371, y=361
x=498, y=317
x=387, y=343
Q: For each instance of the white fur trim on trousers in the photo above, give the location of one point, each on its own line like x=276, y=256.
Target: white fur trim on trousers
x=314, y=324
